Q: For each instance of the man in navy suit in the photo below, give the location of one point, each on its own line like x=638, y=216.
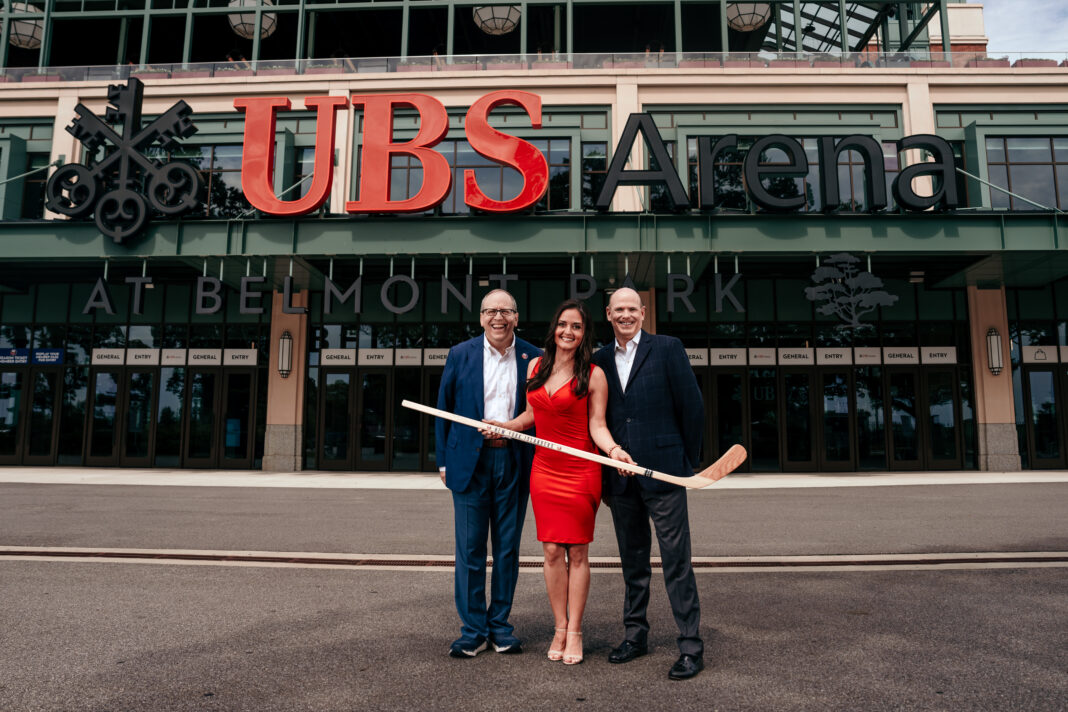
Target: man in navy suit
x=485, y=378
x=656, y=414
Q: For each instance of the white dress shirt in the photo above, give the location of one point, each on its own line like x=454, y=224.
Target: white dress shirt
x=625, y=359
x=498, y=381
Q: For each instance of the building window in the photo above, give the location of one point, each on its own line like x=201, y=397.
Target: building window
x=33, y=189
x=594, y=170
x=1035, y=168
x=557, y=152
x=220, y=175
x=498, y=182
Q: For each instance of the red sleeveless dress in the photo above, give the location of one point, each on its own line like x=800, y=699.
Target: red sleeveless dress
x=565, y=490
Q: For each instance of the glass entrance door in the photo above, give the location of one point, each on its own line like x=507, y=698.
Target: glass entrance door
x=798, y=416
x=104, y=403
x=137, y=417
x=903, y=394
x=1043, y=417
x=238, y=407
x=941, y=420
x=431, y=384
x=335, y=420
x=835, y=425
x=202, y=403
x=728, y=408
x=12, y=383
x=374, y=416
x=41, y=421
x=763, y=420
x=405, y=440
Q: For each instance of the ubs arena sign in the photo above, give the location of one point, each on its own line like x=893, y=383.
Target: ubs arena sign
x=379, y=148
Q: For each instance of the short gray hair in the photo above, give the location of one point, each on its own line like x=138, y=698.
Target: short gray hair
x=498, y=291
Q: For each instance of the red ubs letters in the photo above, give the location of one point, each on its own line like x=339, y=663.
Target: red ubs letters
x=257, y=167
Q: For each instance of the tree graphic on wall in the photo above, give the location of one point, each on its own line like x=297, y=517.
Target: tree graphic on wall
x=847, y=291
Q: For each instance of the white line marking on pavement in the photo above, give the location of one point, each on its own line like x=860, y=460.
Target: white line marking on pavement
x=529, y=564
x=421, y=481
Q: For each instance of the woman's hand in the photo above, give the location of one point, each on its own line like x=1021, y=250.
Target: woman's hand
x=489, y=434
x=621, y=455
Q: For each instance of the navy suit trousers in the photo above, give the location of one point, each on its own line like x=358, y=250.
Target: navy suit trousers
x=489, y=506
x=631, y=511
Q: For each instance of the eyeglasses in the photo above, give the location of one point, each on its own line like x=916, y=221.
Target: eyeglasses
x=503, y=312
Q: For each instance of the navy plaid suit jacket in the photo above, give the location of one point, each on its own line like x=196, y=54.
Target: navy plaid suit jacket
x=660, y=417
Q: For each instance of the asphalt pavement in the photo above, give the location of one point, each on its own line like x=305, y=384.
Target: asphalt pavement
x=85, y=634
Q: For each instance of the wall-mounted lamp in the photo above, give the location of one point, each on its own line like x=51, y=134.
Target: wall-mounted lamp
x=285, y=354
x=993, y=351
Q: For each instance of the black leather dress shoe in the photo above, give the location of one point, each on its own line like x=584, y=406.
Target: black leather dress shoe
x=686, y=667
x=627, y=651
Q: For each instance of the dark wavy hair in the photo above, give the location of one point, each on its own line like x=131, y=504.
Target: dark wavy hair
x=583, y=354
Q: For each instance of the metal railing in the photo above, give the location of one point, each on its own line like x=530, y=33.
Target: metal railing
x=921, y=59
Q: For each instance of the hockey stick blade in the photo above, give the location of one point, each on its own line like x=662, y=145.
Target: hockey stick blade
x=730, y=460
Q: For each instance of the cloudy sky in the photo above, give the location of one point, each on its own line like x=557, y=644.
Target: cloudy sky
x=1026, y=25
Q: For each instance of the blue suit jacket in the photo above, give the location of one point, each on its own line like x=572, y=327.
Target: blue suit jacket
x=462, y=393
x=660, y=417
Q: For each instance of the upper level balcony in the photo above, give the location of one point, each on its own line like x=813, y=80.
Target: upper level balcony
x=540, y=63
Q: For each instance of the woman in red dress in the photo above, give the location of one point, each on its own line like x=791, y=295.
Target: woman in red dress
x=566, y=399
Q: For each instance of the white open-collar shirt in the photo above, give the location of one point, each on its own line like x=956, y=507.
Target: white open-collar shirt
x=498, y=381
x=625, y=359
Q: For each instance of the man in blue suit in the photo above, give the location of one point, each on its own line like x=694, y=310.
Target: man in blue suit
x=485, y=378
x=656, y=414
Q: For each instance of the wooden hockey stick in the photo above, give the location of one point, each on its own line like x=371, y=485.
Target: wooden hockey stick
x=719, y=469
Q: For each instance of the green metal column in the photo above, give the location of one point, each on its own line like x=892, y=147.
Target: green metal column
x=842, y=26
x=570, y=29
x=404, y=30
x=256, y=34
x=146, y=26
x=523, y=28
x=724, y=46
x=46, y=37
x=450, y=29
x=5, y=35
x=678, y=25
x=799, y=44
x=943, y=15
x=187, y=42
x=300, y=32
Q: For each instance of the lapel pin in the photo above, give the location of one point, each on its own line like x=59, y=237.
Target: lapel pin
x=526, y=356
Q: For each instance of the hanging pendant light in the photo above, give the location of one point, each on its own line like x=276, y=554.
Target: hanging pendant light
x=496, y=19
x=244, y=24
x=26, y=34
x=747, y=16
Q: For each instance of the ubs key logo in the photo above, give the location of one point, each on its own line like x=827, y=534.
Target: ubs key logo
x=111, y=186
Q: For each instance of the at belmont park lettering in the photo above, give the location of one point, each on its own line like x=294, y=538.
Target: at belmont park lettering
x=208, y=295
x=379, y=149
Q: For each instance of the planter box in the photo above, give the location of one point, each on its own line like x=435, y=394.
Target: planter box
x=827, y=63
x=460, y=67
x=273, y=72
x=223, y=73
x=987, y=63
x=414, y=68
x=786, y=63
x=1035, y=63
x=550, y=65
x=189, y=74
x=504, y=66
x=622, y=65
x=41, y=78
x=695, y=63
x=733, y=63
x=150, y=75
x=929, y=63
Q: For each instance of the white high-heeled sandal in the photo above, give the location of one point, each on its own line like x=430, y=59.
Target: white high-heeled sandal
x=556, y=655
x=573, y=659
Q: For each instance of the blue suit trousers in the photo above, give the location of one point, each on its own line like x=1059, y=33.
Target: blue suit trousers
x=489, y=507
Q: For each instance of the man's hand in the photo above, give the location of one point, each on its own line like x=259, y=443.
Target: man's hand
x=442, y=473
